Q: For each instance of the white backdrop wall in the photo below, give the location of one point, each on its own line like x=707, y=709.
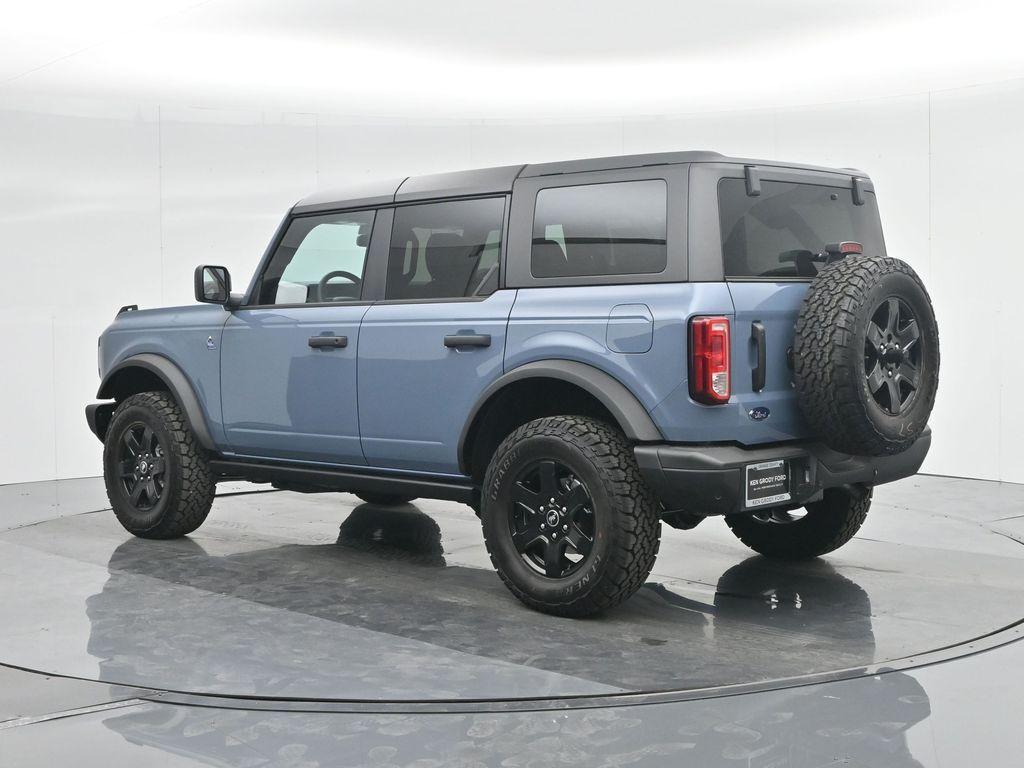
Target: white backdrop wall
x=109, y=204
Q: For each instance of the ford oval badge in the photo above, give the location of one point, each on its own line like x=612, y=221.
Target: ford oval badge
x=759, y=414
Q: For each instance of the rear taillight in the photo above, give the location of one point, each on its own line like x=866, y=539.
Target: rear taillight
x=709, y=360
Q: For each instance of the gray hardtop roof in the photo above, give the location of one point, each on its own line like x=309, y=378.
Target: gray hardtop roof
x=485, y=181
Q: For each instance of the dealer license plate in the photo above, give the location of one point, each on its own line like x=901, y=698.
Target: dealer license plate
x=767, y=483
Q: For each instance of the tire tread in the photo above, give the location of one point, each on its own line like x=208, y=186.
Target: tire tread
x=197, y=484
x=636, y=523
x=827, y=360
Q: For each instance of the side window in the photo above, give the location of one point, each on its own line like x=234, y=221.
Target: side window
x=617, y=228
x=320, y=259
x=445, y=250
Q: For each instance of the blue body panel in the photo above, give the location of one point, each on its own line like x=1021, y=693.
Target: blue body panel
x=283, y=399
x=776, y=306
x=182, y=335
x=415, y=394
x=575, y=324
x=630, y=329
x=397, y=398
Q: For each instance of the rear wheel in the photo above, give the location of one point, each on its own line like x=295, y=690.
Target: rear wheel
x=569, y=523
x=385, y=499
x=157, y=476
x=817, y=529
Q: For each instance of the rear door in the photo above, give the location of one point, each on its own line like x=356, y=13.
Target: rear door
x=773, y=230
x=429, y=349
x=288, y=360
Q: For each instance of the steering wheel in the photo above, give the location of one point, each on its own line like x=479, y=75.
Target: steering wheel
x=356, y=281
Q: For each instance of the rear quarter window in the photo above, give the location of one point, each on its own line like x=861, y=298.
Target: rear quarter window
x=612, y=228
x=780, y=232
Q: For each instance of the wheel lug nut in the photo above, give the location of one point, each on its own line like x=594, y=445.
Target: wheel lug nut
x=542, y=526
x=565, y=527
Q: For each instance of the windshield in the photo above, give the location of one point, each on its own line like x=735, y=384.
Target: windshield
x=782, y=231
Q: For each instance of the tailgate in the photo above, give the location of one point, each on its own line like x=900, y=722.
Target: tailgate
x=770, y=414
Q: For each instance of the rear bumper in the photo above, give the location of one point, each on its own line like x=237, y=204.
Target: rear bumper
x=710, y=479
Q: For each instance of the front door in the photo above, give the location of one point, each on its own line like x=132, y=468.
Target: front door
x=437, y=340
x=288, y=360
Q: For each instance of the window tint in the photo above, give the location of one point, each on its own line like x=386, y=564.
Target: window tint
x=320, y=259
x=600, y=229
x=780, y=232
x=445, y=250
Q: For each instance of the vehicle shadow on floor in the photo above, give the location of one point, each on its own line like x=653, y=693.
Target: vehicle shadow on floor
x=387, y=572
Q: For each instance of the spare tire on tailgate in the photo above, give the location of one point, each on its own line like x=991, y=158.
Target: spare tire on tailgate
x=866, y=355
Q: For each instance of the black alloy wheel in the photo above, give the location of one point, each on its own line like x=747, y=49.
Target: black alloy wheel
x=142, y=466
x=892, y=356
x=551, y=519
x=568, y=522
x=157, y=476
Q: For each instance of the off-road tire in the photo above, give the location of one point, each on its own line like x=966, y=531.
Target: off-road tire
x=189, y=485
x=626, y=526
x=828, y=525
x=384, y=499
x=829, y=356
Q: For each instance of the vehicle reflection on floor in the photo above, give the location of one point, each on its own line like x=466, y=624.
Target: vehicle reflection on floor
x=154, y=622
x=767, y=603
x=316, y=598
x=855, y=722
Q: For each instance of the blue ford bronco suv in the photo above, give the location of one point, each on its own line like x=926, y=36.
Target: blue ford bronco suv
x=578, y=350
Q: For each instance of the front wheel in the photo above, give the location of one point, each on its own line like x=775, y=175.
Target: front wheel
x=569, y=523
x=820, y=528
x=157, y=476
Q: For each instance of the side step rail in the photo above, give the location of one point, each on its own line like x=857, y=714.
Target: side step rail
x=320, y=478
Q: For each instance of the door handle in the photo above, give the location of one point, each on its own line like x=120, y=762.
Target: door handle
x=328, y=342
x=468, y=340
x=758, y=336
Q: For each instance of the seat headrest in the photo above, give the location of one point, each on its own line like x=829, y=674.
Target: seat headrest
x=446, y=257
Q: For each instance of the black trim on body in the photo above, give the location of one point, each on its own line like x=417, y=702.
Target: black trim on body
x=98, y=416
x=632, y=417
x=709, y=479
x=177, y=384
x=305, y=477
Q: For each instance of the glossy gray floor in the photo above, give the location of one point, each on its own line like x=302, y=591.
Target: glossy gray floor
x=313, y=630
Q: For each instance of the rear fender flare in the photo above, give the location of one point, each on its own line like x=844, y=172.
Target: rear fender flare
x=628, y=412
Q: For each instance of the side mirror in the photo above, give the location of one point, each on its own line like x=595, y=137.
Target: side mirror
x=212, y=284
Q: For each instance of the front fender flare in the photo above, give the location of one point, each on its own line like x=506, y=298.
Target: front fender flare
x=177, y=384
x=630, y=414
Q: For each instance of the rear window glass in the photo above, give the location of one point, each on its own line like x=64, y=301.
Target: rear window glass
x=600, y=229
x=445, y=250
x=780, y=232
